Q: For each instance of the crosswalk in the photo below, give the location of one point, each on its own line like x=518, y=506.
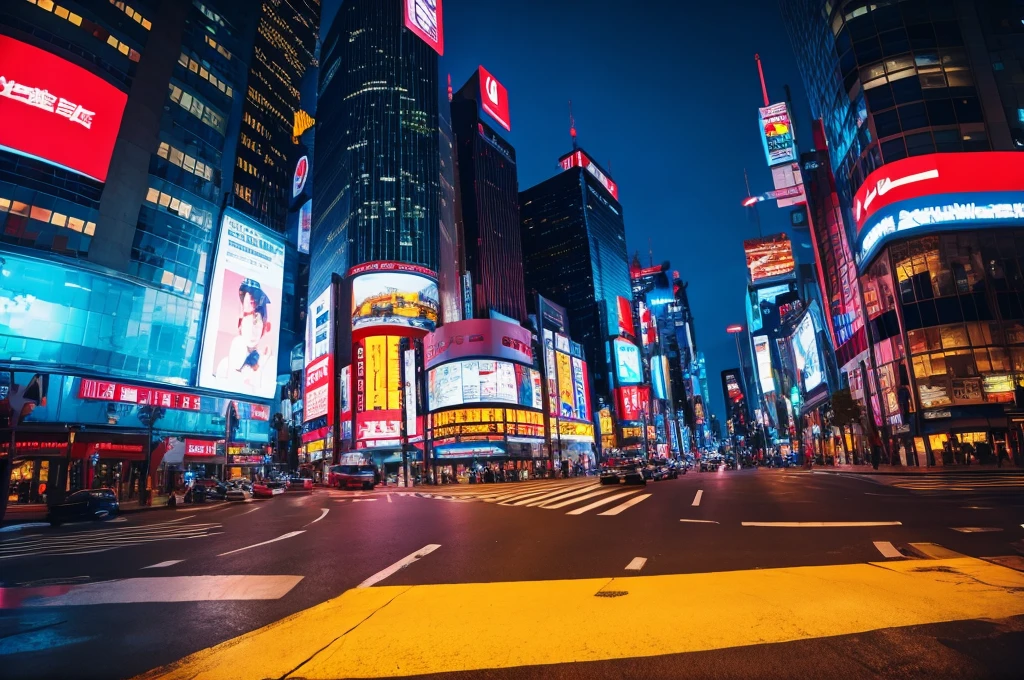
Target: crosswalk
x=101, y=540
x=574, y=497
x=966, y=481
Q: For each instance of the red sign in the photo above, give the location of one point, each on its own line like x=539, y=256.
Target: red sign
x=318, y=397
x=259, y=412
x=423, y=17
x=385, y=266
x=131, y=394
x=938, y=173
x=578, y=159
x=491, y=338
x=626, y=326
x=494, y=98
x=56, y=111
x=629, y=403
x=197, y=448
x=301, y=172
x=379, y=424
x=646, y=271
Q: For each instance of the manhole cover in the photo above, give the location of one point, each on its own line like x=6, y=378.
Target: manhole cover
x=611, y=593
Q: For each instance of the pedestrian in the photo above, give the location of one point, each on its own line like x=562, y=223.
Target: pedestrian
x=876, y=449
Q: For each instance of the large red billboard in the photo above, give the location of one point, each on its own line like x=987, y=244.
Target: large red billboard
x=55, y=111
x=494, y=98
x=488, y=338
x=578, y=159
x=625, y=313
x=423, y=17
x=938, y=173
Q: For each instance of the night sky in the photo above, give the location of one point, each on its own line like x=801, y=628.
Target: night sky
x=665, y=96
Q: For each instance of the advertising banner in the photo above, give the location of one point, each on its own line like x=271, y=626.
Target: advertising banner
x=629, y=404
x=552, y=376
x=300, y=176
x=423, y=17
x=198, y=448
x=318, y=399
x=764, y=363
x=383, y=384
x=627, y=362
x=578, y=159
x=394, y=295
x=319, y=329
x=345, y=392
x=805, y=347
x=240, y=339
x=478, y=337
x=410, y=390
x=566, y=398
x=579, y=390
x=305, y=226
x=475, y=381
x=625, y=312
x=494, y=98
x=553, y=316
x=131, y=394
x=57, y=112
x=379, y=428
x=789, y=185
x=769, y=257
x=777, y=134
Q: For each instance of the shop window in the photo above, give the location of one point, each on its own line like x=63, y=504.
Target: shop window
x=1014, y=333
x=1017, y=359
x=924, y=340
x=960, y=364
x=928, y=365
x=982, y=360
x=933, y=393
x=984, y=333
x=954, y=337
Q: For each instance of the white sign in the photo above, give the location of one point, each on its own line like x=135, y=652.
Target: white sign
x=42, y=99
x=319, y=326
x=764, y=363
x=410, y=391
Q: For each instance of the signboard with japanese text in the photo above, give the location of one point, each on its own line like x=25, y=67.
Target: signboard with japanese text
x=777, y=134
x=56, y=111
x=490, y=338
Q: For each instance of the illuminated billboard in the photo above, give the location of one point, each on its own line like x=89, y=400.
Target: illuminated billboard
x=300, y=176
x=57, y=112
x=240, y=339
x=423, y=17
x=579, y=389
x=382, y=379
x=494, y=98
x=627, y=362
x=936, y=192
x=319, y=329
x=566, y=394
x=482, y=380
x=491, y=338
x=763, y=356
x=393, y=294
x=578, y=159
x=789, y=184
x=769, y=257
x=318, y=396
x=805, y=349
x=305, y=227
x=777, y=134
x=625, y=313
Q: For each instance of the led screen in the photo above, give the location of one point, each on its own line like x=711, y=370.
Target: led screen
x=764, y=363
x=769, y=257
x=627, y=363
x=566, y=396
x=494, y=98
x=777, y=134
x=305, y=226
x=55, y=111
x=240, y=339
x=423, y=17
x=395, y=298
x=805, y=347
x=483, y=380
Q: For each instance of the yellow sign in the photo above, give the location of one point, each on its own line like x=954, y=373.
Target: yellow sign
x=568, y=429
x=631, y=432
x=382, y=373
x=316, y=445
x=300, y=123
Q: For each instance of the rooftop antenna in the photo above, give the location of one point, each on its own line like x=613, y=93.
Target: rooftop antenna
x=449, y=87
x=572, y=126
x=760, y=73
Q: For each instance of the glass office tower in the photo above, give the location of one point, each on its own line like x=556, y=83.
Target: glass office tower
x=920, y=109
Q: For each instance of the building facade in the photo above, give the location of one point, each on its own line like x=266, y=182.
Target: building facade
x=574, y=252
x=110, y=226
x=489, y=194
x=920, y=107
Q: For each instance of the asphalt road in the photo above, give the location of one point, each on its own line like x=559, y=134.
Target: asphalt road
x=120, y=598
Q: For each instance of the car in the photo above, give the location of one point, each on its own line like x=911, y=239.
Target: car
x=268, y=490
x=299, y=484
x=94, y=504
x=617, y=471
x=217, y=492
x=352, y=477
x=238, y=493
x=710, y=464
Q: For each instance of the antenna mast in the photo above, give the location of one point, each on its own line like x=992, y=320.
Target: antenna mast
x=760, y=73
x=572, y=126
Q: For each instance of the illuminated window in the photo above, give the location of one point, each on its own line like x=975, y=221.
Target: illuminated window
x=93, y=29
x=59, y=219
x=41, y=214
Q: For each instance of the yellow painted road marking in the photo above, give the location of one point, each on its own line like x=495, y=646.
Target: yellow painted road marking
x=377, y=632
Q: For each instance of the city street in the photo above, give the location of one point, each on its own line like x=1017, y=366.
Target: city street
x=751, y=573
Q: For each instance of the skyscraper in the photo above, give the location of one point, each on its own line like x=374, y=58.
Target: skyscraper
x=375, y=242
x=489, y=187
x=574, y=252
x=111, y=239
x=284, y=49
x=920, y=113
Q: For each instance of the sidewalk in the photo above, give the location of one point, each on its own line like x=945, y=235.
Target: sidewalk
x=1007, y=469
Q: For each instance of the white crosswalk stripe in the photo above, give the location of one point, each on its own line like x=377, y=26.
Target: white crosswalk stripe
x=966, y=481
x=575, y=496
x=100, y=540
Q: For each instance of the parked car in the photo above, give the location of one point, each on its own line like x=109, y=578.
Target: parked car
x=710, y=464
x=95, y=504
x=238, y=493
x=628, y=471
x=268, y=490
x=299, y=484
x=217, y=492
x=352, y=477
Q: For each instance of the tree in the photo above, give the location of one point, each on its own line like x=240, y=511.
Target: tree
x=846, y=411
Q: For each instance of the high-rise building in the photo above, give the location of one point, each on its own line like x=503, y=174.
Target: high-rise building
x=375, y=241
x=284, y=49
x=118, y=264
x=574, y=252
x=489, y=191
x=450, y=265
x=920, y=103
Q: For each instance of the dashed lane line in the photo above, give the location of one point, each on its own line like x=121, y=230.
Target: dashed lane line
x=161, y=565
x=697, y=497
x=976, y=530
x=282, y=537
x=820, y=525
x=636, y=564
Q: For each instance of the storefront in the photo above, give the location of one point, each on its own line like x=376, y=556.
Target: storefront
x=464, y=440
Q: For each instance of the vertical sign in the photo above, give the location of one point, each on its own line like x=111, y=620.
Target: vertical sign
x=777, y=134
x=423, y=17
x=410, y=391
